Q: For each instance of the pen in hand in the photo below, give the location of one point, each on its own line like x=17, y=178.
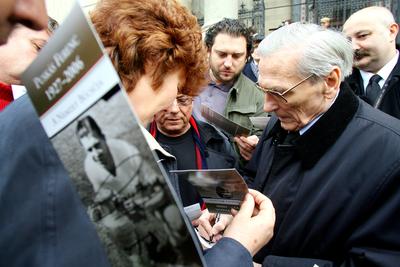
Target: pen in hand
x=217, y=217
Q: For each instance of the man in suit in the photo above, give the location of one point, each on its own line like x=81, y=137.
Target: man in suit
x=376, y=72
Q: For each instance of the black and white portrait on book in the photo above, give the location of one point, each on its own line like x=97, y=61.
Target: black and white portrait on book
x=122, y=187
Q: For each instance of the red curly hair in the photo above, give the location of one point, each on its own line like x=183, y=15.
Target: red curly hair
x=161, y=34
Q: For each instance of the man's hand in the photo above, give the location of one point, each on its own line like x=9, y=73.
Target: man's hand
x=246, y=145
x=204, y=223
x=209, y=228
x=220, y=226
x=253, y=224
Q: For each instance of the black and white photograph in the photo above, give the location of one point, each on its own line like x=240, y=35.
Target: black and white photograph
x=221, y=189
x=122, y=187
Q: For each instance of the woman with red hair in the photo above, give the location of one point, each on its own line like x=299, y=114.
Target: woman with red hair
x=157, y=48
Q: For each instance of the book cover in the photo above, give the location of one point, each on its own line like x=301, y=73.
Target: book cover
x=85, y=112
x=221, y=189
x=225, y=124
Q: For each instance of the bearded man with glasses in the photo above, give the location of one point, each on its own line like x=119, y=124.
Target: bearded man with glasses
x=195, y=145
x=329, y=162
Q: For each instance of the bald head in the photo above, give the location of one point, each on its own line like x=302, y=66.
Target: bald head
x=373, y=32
x=376, y=13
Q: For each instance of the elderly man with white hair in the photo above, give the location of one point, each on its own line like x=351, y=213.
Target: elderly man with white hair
x=329, y=162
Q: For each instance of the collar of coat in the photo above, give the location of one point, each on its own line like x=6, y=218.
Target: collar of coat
x=312, y=145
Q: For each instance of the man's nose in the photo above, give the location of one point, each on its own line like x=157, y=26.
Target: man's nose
x=228, y=61
x=355, y=44
x=174, y=108
x=270, y=103
x=32, y=14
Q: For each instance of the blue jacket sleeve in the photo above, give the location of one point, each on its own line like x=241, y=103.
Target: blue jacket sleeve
x=228, y=253
x=43, y=221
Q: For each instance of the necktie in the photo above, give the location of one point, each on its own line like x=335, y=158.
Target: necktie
x=373, y=89
x=6, y=95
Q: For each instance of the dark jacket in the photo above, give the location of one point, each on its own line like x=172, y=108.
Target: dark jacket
x=336, y=194
x=228, y=253
x=390, y=103
x=219, y=152
x=43, y=222
x=220, y=155
x=248, y=71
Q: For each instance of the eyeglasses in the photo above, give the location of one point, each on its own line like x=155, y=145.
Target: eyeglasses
x=184, y=100
x=280, y=95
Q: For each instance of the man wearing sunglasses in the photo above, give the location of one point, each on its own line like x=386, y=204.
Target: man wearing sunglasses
x=329, y=162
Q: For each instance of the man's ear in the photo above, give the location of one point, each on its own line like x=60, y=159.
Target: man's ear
x=332, y=82
x=394, y=29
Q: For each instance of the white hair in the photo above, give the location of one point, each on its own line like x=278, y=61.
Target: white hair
x=319, y=49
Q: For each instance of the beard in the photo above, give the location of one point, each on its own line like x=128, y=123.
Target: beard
x=224, y=80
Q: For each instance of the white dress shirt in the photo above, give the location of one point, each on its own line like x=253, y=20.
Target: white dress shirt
x=384, y=72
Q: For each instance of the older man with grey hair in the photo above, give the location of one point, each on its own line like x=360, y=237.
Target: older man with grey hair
x=329, y=162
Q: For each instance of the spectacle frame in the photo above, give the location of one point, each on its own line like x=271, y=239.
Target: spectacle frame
x=280, y=95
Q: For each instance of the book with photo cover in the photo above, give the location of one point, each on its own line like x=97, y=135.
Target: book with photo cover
x=221, y=189
x=85, y=112
x=225, y=124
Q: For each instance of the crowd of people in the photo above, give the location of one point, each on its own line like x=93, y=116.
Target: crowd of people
x=323, y=176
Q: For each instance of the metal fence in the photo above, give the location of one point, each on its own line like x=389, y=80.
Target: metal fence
x=253, y=18
x=312, y=11
x=340, y=10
